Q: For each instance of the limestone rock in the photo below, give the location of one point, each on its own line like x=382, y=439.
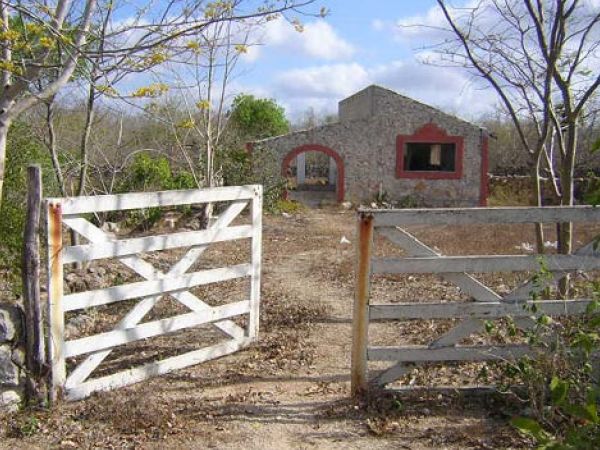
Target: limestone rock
x=9, y=400
x=10, y=322
x=9, y=372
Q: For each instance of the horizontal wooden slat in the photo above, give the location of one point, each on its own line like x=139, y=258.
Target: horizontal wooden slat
x=136, y=200
x=464, y=281
x=156, y=328
x=458, y=353
x=483, y=264
x=481, y=310
x=146, y=371
x=124, y=247
x=463, y=216
x=153, y=287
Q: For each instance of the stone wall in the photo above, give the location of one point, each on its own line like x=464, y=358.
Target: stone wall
x=367, y=147
x=12, y=357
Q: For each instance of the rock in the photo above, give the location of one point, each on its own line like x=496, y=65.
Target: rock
x=9, y=372
x=110, y=227
x=9, y=400
x=347, y=205
x=10, y=322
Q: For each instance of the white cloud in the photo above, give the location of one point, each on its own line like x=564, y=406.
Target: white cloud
x=327, y=81
x=321, y=87
x=318, y=40
x=378, y=24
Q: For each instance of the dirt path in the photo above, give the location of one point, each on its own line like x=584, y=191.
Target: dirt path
x=290, y=390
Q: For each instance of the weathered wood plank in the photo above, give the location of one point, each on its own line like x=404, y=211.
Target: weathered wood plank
x=256, y=249
x=458, y=353
x=481, y=310
x=35, y=348
x=414, y=247
x=144, y=372
x=113, y=338
x=453, y=336
x=360, y=311
x=153, y=287
x=126, y=247
x=392, y=373
x=464, y=216
x=483, y=264
x=145, y=269
x=137, y=200
x=56, y=326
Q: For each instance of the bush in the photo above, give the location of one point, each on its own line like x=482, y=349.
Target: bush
x=152, y=173
x=560, y=380
x=22, y=149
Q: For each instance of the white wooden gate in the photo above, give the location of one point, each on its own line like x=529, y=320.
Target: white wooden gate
x=484, y=304
x=177, y=283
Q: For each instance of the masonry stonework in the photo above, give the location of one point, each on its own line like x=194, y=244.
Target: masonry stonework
x=12, y=357
x=365, y=137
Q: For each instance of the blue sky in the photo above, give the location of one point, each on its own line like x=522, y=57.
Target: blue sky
x=358, y=43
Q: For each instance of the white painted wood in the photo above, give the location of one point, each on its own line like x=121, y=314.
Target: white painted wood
x=414, y=247
x=392, y=373
x=194, y=253
x=458, y=353
x=253, y=323
x=301, y=168
x=463, y=216
x=138, y=374
x=152, y=287
x=456, y=334
x=481, y=310
x=145, y=269
x=175, y=282
x=525, y=290
x=110, y=339
x=483, y=264
x=125, y=247
x=137, y=200
x=56, y=324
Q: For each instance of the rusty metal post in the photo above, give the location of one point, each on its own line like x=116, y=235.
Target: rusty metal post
x=56, y=327
x=360, y=319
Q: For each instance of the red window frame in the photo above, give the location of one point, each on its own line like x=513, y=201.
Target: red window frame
x=430, y=134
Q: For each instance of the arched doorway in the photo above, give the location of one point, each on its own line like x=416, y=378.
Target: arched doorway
x=339, y=165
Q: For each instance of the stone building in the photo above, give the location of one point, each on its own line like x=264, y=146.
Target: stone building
x=385, y=145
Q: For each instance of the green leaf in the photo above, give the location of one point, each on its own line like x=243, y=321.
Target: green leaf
x=531, y=428
x=585, y=412
x=559, y=389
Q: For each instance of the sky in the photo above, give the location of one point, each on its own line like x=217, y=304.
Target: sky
x=357, y=44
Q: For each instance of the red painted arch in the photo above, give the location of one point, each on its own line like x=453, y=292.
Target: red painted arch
x=339, y=162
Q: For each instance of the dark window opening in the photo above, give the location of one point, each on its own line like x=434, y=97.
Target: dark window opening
x=422, y=157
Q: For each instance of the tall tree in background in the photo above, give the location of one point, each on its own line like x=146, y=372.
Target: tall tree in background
x=257, y=118
x=539, y=57
x=139, y=35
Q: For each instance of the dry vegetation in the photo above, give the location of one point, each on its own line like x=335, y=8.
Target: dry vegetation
x=290, y=389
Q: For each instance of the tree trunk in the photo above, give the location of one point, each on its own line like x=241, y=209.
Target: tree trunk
x=565, y=230
x=4, y=126
x=539, y=227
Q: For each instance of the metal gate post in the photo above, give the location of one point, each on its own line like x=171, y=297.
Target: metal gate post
x=360, y=319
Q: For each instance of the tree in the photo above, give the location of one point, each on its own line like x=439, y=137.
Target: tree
x=140, y=38
x=537, y=56
x=257, y=118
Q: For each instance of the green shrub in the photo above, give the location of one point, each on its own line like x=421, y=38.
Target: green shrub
x=560, y=380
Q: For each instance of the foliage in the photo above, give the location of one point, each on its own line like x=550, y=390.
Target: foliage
x=22, y=149
x=257, y=118
x=562, y=385
x=152, y=173
x=287, y=206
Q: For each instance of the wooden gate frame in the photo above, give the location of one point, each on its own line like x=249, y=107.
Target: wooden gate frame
x=485, y=304
x=176, y=282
